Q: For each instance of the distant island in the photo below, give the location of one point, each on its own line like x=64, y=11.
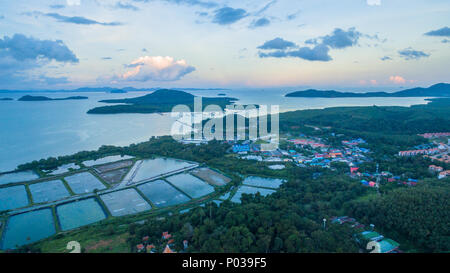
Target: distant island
x=160, y=101
x=6, y=99
x=437, y=90
x=43, y=98
x=118, y=91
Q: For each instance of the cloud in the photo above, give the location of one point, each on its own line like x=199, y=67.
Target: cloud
x=442, y=32
x=106, y=58
x=266, y=7
x=277, y=43
x=338, y=39
x=73, y=2
x=227, y=15
x=386, y=58
x=445, y=41
x=2, y=17
x=19, y=54
x=317, y=53
x=79, y=20
x=341, y=38
x=262, y=22
x=204, y=4
x=57, y=6
x=411, y=54
x=156, y=68
x=374, y=2
x=23, y=48
x=397, y=79
x=54, y=80
x=292, y=16
x=128, y=6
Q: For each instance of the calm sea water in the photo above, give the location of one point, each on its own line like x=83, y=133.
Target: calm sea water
x=34, y=130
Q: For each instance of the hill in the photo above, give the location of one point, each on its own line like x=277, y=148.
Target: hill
x=43, y=98
x=437, y=90
x=162, y=100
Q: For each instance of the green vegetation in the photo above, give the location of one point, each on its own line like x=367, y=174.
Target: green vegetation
x=437, y=90
x=290, y=220
x=157, y=102
x=43, y=98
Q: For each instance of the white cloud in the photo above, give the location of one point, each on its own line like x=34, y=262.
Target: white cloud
x=73, y=2
x=156, y=68
x=397, y=79
x=374, y=2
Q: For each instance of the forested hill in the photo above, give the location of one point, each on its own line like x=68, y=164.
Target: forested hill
x=162, y=100
x=437, y=90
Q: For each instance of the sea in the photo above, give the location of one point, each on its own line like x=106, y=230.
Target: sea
x=40, y=129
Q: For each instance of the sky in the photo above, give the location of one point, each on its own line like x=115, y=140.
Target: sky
x=359, y=44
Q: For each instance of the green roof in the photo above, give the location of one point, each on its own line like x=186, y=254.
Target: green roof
x=369, y=234
x=387, y=245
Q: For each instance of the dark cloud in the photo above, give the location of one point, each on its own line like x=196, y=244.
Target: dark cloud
x=445, y=41
x=442, y=32
x=317, y=53
x=2, y=17
x=341, y=38
x=106, y=58
x=79, y=20
x=23, y=48
x=19, y=54
x=320, y=49
x=386, y=58
x=227, y=15
x=411, y=54
x=262, y=22
x=277, y=43
x=127, y=6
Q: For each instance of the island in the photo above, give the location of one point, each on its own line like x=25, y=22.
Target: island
x=43, y=98
x=5, y=99
x=437, y=90
x=118, y=91
x=160, y=101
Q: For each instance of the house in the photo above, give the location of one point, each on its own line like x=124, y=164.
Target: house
x=388, y=246
x=151, y=248
x=444, y=174
x=166, y=235
x=167, y=249
x=185, y=244
x=435, y=168
x=140, y=247
x=238, y=148
x=371, y=236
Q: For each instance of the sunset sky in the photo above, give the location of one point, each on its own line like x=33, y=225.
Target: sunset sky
x=366, y=44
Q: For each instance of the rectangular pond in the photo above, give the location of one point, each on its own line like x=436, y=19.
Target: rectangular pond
x=210, y=176
x=191, y=185
x=105, y=160
x=162, y=194
x=84, y=183
x=13, y=197
x=17, y=177
x=263, y=182
x=48, y=191
x=27, y=228
x=65, y=168
x=249, y=190
x=150, y=168
x=79, y=213
x=125, y=202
